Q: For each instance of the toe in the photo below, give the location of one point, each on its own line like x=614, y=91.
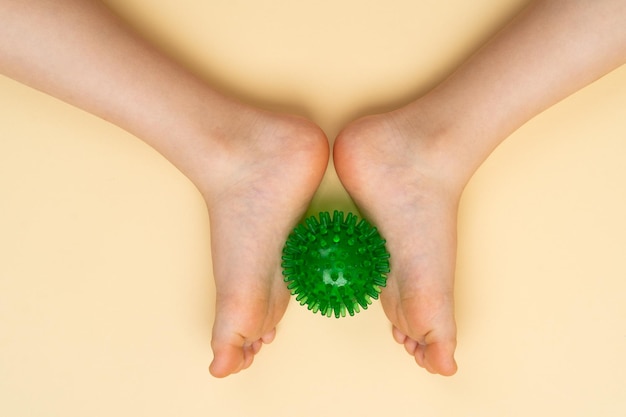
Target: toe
x=398, y=336
x=418, y=354
x=268, y=337
x=410, y=345
x=256, y=346
x=439, y=358
x=227, y=359
x=248, y=356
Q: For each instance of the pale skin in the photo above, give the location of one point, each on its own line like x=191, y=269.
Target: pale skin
x=407, y=168
x=256, y=170
x=429, y=148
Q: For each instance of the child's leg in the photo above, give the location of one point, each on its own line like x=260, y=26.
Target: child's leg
x=256, y=170
x=406, y=169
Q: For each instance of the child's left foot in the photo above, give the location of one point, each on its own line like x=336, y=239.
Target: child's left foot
x=257, y=186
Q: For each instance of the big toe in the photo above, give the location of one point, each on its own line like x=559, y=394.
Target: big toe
x=232, y=356
x=438, y=358
x=227, y=359
x=237, y=339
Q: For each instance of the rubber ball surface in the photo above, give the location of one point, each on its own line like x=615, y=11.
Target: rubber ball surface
x=335, y=265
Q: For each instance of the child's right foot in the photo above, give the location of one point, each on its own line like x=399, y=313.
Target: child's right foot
x=403, y=183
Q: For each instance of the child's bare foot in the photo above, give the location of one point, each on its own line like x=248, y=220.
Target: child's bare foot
x=400, y=178
x=406, y=169
x=257, y=186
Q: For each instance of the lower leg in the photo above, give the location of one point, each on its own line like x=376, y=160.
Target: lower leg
x=406, y=169
x=256, y=170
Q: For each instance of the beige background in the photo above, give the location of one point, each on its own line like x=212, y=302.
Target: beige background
x=106, y=297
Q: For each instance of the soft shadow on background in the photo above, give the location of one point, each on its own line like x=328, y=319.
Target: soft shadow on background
x=106, y=293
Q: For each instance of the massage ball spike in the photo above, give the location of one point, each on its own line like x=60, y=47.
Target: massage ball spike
x=337, y=265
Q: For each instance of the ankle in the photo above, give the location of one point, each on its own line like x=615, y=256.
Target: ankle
x=255, y=142
x=446, y=145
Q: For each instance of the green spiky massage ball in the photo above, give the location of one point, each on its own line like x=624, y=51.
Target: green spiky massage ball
x=335, y=265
